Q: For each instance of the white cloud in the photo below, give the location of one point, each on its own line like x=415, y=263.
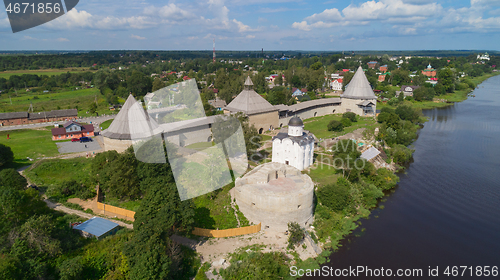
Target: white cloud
x=72, y=19
x=386, y=9
x=327, y=15
x=250, y=36
x=137, y=37
x=302, y=25
x=62, y=40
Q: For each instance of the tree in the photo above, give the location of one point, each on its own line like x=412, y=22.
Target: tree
x=446, y=78
x=296, y=235
x=12, y=179
x=350, y=115
x=92, y=108
x=335, y=125
x=6, y=155
x=278, y=81
x=335, y=196
x=423, y=93
x=345, y=156
x=346, y=122
x=151, y=253
x=158, y=84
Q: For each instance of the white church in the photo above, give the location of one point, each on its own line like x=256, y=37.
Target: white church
x=295, y=148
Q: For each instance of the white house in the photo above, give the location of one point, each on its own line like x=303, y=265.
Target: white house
x=295, y=148
x=336, y=84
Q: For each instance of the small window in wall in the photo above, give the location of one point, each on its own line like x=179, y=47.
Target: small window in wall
x=298, y=207
x=315, y=114
x=253, y=203
x=286, y=162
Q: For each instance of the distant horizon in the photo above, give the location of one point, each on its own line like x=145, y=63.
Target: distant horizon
x=257, y=50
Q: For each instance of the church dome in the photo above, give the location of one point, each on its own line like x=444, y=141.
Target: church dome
x=295, y=121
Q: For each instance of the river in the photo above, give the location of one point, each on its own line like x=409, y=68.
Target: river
x=445, y=210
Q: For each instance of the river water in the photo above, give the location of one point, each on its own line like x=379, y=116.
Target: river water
x=446, y=208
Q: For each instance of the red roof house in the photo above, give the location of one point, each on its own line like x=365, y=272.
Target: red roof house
x=72, y=129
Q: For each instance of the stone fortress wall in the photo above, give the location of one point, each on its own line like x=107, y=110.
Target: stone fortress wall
x=274, y=194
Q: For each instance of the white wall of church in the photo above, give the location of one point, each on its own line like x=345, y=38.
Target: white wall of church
x=297, y=156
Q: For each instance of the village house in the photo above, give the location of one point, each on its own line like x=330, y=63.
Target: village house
x=408, y=90
x=336, y=84
x=372, y=64
x=71, y=130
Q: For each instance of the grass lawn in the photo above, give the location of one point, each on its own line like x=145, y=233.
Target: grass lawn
x=55, y=171
x=33, y=143
x=106, y=124
x=216, y=212
x=323, y=174
x=318, y=125
x=48, y=72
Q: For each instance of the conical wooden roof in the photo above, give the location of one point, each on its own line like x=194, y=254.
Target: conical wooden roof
x=250, y=102
x=359, y=87
x=121, y=126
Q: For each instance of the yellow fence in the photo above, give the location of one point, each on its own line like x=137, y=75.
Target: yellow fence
x=226, y=232
x=115, y=210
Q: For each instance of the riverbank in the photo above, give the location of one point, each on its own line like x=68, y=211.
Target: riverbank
x=449, y=99
x=354, y=222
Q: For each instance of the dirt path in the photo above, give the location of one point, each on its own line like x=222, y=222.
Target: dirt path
x=62, y=208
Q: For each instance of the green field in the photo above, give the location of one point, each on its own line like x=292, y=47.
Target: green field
x=33, y=143
x=55, y=171
x=323, y=174
x=318, y=125
x=200, y=145
x=80, y=99
x=49, y=101
x=48, y=72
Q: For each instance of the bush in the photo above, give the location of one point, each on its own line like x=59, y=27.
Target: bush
x=346, y=122
x=401, y=154
x=335, y=126
x=350, y=115
x=335, y=196
x=6, y=155
x=296, y=235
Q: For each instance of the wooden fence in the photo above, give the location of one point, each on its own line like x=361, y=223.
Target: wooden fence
x=226, y=232
x=115, y=210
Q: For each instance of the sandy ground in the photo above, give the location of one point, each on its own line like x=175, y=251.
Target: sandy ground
x=214, y=249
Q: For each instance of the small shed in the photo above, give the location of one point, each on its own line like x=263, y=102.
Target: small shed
x=97, y=227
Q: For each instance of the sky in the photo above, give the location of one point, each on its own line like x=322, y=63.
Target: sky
x=329, y=25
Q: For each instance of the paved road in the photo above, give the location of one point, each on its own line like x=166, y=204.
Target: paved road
x=94, y=120
x=77, y=147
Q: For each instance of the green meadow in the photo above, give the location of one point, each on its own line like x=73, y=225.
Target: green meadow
x=48, y=72
x=318, y=125
x=32, y=143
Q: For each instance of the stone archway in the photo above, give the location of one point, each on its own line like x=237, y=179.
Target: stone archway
x=261, y=130
x=209, y=139
x=315, y=114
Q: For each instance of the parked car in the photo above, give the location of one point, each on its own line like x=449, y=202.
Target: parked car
x=75, y=139
x=85, y=139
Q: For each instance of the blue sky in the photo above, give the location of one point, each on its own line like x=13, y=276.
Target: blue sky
x=330, y=25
